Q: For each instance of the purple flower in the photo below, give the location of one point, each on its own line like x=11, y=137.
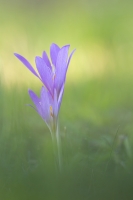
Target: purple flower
x=53, y=76
x=46, y=106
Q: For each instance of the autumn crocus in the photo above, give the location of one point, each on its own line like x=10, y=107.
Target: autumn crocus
x=47, y=107
x=53, y=75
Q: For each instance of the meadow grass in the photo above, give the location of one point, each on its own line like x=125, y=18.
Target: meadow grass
x=96, y=133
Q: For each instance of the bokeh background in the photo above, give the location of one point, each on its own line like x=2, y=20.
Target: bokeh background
x=96, y=118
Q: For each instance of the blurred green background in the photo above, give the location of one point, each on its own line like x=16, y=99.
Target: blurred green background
x=96, y=118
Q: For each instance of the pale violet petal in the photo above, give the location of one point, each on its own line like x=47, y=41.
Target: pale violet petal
x=26, y=63
x=45, y=74
x=55, y=104
x=69, y=59
x=46, y=59
x=54, y=50
x=60, y=96
x=61, y=67
x=36, y=100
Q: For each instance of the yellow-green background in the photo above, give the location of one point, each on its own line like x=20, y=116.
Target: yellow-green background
x=96, y=118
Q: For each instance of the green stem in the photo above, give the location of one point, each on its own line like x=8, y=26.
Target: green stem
x=57, y=147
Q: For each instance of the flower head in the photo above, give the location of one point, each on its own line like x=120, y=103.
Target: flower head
x=53, y=75
x=46, y=106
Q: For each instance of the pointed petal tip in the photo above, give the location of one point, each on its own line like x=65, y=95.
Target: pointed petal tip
x=37, y=57
x=29, y=90
x=17, y=55
x=67, y=45
x=74, y=50
x=43, y=87
x=54, y=44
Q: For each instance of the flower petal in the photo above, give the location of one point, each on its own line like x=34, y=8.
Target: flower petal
x=46, y=59
x=60, y=96
x=45, y=104
x=36, y=101
x=55, y=104
x=61, y=67
x=26, y=63
x=69, y=59
x=45, y=74
x=47, y=107
x=54, y=50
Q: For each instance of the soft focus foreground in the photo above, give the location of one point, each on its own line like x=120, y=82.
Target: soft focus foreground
x=96, y=116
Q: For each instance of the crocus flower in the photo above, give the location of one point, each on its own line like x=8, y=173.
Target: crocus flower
x=53, y=75
x=47, y=107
